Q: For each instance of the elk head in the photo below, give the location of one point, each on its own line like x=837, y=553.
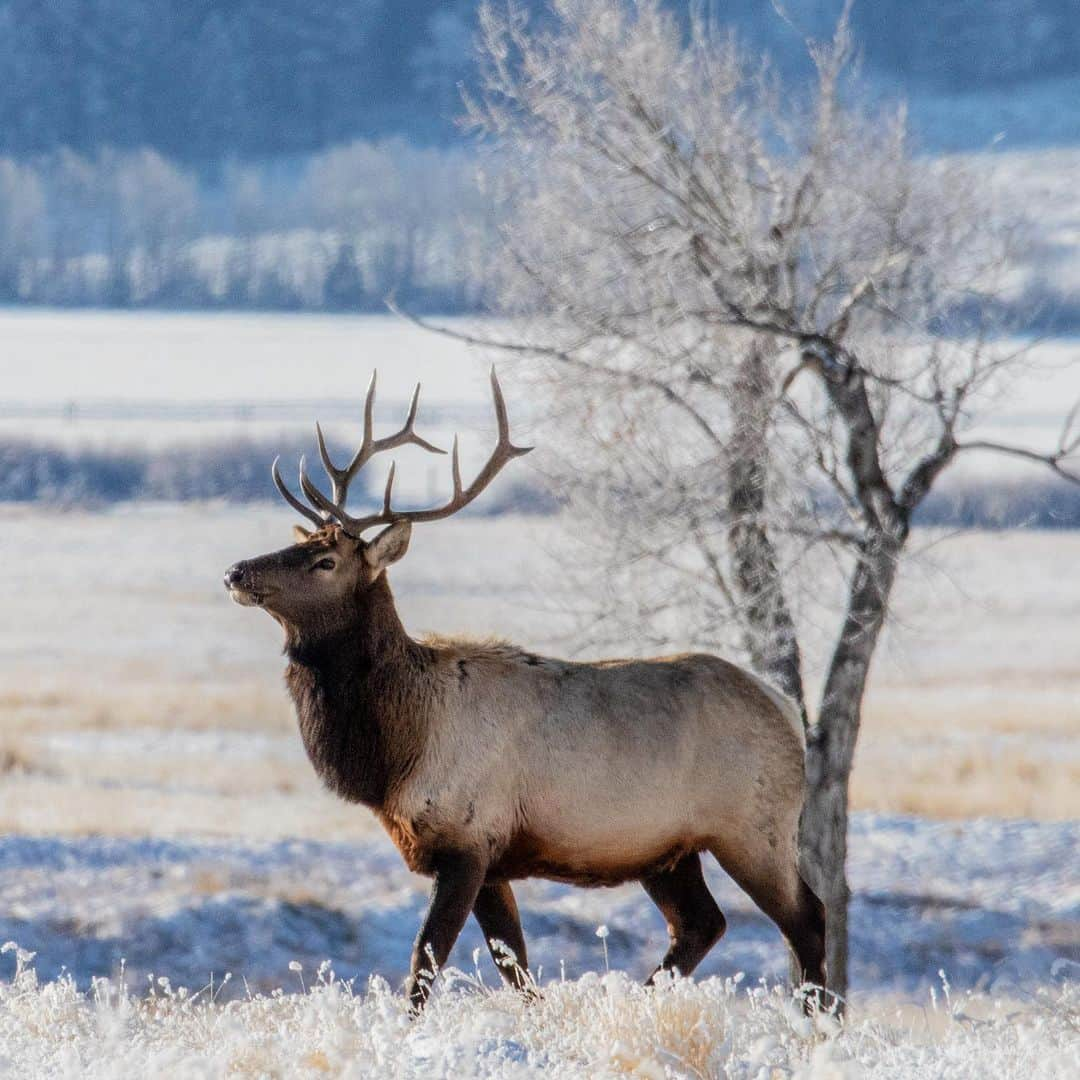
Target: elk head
x=320, y=581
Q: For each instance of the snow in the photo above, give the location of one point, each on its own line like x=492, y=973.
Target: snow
x=135, y=356
x=995, y=904
x=108, y=378
x=937, y=909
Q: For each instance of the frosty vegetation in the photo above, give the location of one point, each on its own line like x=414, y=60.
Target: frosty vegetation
x=595, y=1026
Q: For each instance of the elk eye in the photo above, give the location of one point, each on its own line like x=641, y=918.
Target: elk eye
x=324, y=564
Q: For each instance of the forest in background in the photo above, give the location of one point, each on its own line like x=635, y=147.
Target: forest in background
x=288, y=156
x=338, y=232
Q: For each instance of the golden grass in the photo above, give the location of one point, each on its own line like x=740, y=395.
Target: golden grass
x=914, y=757
x=921, y=752
x=167, y=703
x=968, y=783
x=40, y=805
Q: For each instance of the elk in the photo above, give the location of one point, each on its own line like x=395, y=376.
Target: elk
x=487, y=764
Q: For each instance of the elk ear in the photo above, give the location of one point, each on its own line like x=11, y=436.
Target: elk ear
x=300, y=534
x=389, y=545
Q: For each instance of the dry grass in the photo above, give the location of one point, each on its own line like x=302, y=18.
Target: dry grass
x=921, y=754
x=129, y=700
x=39, y=805
x=974, y=705
x=967, y=783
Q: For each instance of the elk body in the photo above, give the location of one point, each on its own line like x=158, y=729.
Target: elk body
x=487, y=764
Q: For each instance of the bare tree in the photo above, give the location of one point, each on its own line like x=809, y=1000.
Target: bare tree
x=760, y=311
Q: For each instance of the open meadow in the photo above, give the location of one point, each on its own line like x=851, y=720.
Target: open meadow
x=160, y=826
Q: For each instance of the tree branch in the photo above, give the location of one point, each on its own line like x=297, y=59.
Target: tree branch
x=1052, y=461
x=564, y=356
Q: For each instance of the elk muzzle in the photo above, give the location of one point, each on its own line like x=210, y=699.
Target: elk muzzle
x=242, y=586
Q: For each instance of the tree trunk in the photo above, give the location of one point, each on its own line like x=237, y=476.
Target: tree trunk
x=831, y=746
x=768, y=628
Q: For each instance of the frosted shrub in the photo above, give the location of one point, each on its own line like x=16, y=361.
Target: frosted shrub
x=599, y=1025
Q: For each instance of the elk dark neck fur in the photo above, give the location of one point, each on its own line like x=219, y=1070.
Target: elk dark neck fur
x=358, y=692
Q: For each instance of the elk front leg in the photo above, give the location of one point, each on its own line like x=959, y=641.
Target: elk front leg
x=458, y=878
x=497, y=913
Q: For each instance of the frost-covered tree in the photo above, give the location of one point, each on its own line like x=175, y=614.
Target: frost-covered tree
x=413, y=216
x=754, y=314
x=22, y=212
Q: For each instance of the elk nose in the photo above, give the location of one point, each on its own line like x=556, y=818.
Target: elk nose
x=234, y=575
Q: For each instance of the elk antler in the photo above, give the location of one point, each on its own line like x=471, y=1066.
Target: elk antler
x=369, y=446
x=323, y=509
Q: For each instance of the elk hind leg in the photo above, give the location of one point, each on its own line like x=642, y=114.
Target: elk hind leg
x=780, y=892
x=695, y=924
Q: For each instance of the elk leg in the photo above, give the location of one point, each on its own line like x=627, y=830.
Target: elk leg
x=795, y=909
x=458, y=878
x=695, y=924
x=497, y=913
x=802, y=922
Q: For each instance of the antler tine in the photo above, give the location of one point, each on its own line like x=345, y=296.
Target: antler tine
x=369, y=414
x=389, y=492
x=339, y=478
x=291, y=499
x=317, y=498
x=505, y=451
x=500, y=410
x=455, y=469
x=370, y=446
x=408, y=433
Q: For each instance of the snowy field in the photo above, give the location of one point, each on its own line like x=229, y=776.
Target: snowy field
x=995, y=905
x=114, y=379
x=158, y=817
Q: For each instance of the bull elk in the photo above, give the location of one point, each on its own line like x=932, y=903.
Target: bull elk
x=488, y=764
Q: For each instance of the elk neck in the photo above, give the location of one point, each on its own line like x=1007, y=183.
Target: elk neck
x=359, y=691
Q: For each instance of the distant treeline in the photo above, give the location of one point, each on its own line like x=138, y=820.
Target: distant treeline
x=247, y=78
x=303, y=154
x=995, y=504
x=237, y=471
x=338, y=231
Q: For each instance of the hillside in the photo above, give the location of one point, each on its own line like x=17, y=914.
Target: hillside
x=252, y=79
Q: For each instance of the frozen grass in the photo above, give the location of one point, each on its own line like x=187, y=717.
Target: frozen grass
x=592, y=1027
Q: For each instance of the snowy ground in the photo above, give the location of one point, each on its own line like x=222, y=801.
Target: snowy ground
x=994, y=904
x=937, y=909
